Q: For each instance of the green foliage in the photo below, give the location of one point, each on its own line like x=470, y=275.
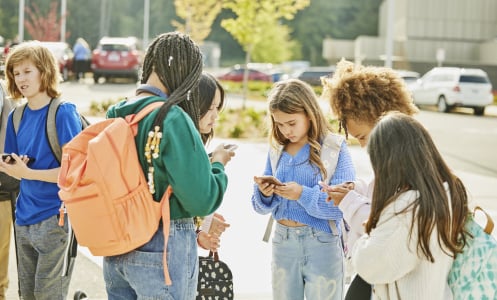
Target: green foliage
x=256, y=89
x=101, y=107
x=241, y=123
x=198, y=17
x=256, y=27
x=8, y=19
x=340, y=19
x=92, y=19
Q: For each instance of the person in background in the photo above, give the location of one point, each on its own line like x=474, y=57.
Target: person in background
x=82, y=55
x=9, y=188
x=307, y=258
x=171, y=72
x=32, y=73
x=359, y=96
x=211, y=94
x=418, y=212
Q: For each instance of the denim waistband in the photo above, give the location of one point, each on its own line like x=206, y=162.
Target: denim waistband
x=300, y=230
x=183, y=224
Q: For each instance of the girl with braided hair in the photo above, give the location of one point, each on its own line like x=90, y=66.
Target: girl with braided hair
x=171, y=153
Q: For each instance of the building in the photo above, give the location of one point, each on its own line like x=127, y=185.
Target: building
x=427, y=34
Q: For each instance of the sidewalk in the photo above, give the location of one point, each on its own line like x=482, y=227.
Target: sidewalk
x=242, y=248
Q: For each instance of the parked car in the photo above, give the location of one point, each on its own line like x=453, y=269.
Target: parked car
x=117, y=57
x=236, y=74
x=64, y=56
x=448, y=87
x=313, y=75
x=410, y=78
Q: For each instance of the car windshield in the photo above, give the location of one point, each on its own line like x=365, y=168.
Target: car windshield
x=473, y=79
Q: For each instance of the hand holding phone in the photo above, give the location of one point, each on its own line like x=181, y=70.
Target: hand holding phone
x=229, y=147
x=268, y=179
x=7, y=158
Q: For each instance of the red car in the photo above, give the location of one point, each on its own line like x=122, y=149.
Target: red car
x=237, y=75
x=117, y=57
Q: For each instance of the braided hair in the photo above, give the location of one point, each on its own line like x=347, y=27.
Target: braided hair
x=177, y=61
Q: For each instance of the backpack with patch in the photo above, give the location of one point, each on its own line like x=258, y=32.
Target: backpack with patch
x=330, y=149
x=473, y=274
x=105, y=191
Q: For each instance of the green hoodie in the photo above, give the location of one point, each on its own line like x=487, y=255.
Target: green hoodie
x=198, y=186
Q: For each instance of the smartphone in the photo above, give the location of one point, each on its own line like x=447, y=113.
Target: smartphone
x=229, y=147
x=12, y=160
x=268, y=179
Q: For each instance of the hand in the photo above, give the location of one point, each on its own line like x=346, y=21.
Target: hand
x=290, y=191
x=222, y=155
x=218, y=225
x=208, y=242
x=16, y=169
x=336, y=193
x=265, y=187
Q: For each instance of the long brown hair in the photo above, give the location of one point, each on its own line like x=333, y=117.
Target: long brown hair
x=295, y=96
x=404, y=157
x=44, y=61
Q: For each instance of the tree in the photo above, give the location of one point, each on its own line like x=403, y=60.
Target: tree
x=256, y=18
x=44, y=28
x=339, y=19
x=198, y=16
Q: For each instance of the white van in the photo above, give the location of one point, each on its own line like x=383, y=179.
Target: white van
x=448, y=87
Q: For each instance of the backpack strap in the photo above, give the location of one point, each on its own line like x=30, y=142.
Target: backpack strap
x=51, y=128
x=330, y=150
x=489, y=227
x=17, y=116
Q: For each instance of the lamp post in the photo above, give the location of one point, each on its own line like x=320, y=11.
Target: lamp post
x=146, y=17
x=20, y=28
x=389, y=33
x=63, y=13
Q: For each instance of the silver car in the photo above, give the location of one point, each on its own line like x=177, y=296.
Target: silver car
x=448, y=87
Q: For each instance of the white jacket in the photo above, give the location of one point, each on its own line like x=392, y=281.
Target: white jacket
x=388, y=259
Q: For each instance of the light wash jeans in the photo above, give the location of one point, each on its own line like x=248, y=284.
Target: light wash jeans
x=139, y=274
x=40, y=250
x=307, y=262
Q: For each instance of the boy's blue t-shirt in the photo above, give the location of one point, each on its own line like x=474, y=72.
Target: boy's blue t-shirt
x=39, y=200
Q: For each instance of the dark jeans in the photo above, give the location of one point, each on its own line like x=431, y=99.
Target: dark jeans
x=358, y=290
x=80, y=67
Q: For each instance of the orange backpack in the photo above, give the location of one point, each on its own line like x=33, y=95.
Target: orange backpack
x=105, y=192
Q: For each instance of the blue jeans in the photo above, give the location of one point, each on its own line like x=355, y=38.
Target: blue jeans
x=139, y=274
x=307, y=262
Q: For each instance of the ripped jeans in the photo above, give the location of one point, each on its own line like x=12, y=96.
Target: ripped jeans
x=307, y=262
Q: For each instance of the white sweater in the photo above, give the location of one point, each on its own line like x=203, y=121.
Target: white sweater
x=388, y=259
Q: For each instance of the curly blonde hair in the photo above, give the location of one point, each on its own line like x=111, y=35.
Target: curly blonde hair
x=365, y=93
